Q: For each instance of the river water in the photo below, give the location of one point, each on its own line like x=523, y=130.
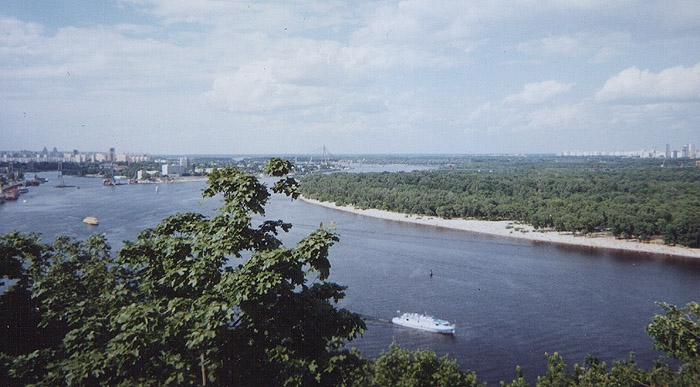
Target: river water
x=512, y=301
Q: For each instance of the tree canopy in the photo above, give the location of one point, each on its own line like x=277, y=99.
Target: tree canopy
x=676, y=332
x=169, y=310
x=628, y=198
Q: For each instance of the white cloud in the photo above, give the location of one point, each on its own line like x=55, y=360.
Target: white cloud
x=536, y=93
x=184, y=11
x=15, y=33
x=553, y=45
x=553, y=118
x=98, y=59
x=405, y=73
x=599, y=46
x=418, y=34
x=634, y=85
x=277, y=17
x=678, y=14
x=257, y=90
x=527, y=110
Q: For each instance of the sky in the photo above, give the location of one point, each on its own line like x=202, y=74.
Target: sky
x=358, y=77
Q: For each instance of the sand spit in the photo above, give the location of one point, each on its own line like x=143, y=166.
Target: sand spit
x=521, y=231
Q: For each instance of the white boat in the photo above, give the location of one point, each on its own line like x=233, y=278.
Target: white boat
x=91, y=220
x=424, y=322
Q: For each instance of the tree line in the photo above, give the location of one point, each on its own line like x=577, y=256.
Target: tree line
x=66, y=168
x=629, y=198
x=169, y=310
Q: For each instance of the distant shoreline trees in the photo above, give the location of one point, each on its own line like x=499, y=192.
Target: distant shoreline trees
x=628, y=198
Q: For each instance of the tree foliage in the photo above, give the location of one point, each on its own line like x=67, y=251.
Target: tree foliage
x=399, y=367
x=676, y=332
x=169, y=310
x=630, y=198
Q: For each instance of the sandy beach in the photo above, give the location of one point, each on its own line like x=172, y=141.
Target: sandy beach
x=521, y=231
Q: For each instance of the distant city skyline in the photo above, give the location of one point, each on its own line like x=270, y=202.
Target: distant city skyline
x=688, y=150
x=109, y=156
x=362, y=77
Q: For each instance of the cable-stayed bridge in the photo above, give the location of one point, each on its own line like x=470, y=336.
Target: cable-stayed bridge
x=319, y=160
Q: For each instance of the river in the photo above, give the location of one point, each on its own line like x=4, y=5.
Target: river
x=512, y=300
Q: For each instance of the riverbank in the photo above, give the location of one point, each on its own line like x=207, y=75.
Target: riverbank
x=520, y=231
x=178, y=179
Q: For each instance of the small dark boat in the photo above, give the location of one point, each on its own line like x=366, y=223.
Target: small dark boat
x=63, y=185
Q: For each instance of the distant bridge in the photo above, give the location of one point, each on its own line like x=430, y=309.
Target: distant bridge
x=322, y=156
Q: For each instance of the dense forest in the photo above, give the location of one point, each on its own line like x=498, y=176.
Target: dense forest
x=630, y=198
x=169, y=310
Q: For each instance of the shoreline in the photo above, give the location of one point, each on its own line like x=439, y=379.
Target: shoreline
x=511, y=229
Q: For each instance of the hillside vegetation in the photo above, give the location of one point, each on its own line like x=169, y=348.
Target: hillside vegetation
x=630, y=198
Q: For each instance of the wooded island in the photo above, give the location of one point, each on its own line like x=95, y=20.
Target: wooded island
x=629, y=198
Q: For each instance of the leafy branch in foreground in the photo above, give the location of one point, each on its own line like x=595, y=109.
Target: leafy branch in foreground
x=169, y=310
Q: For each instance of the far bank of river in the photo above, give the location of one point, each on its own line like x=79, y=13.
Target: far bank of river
x=522, y=231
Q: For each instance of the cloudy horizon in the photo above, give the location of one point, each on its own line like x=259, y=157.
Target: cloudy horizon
x=407, y=77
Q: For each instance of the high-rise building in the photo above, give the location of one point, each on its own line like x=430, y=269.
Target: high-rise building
x=668, y=151
x=172, y=170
